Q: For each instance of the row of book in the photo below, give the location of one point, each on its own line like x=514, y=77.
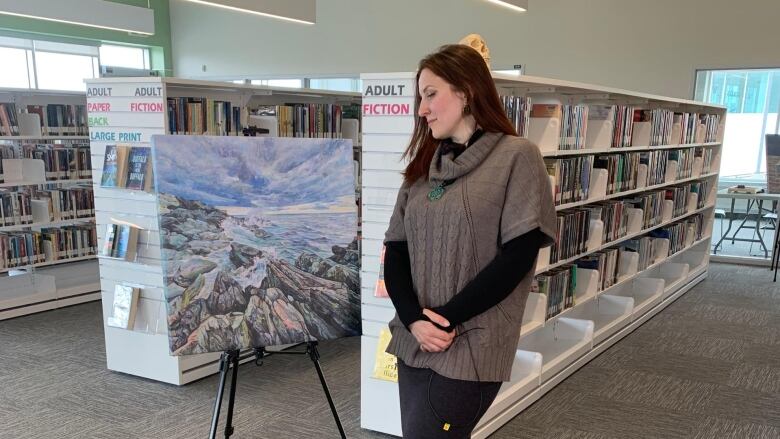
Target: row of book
x=683, y=234
x=61, y=119
x=305, y=120
x=47, y=245
x=204, y=116
x=120, y=242
x=518, y=110
x=64, y=204
x=559, y=286
x=128, y=167
x=9, y=125
x=627, y=125
x=8, y=152
x=16, y=208
x=51, y=119
x=571, y=176
x=571, y=239
x=680, y=235
x=573, y=225
x=61, y=162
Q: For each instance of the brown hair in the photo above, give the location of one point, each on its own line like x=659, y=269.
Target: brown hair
x=466, y=71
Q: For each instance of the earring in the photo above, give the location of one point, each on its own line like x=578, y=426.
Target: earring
x=466, y=109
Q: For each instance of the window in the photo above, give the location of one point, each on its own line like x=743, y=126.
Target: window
x=14, y=71
x=124, y=56
x=61, y=66
x=291, y=83
x=752, y=97
x=62, y=71
x=338, y=84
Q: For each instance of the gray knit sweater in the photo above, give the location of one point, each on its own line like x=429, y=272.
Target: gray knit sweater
x=501, y=191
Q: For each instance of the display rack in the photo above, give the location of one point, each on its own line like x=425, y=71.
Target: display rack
x=549, y=350
x=132, y=110
x=54, y=284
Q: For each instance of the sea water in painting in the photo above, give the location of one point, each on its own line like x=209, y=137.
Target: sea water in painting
x=258, y=239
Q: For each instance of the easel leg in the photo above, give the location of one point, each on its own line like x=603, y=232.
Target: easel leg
x=315, y=358
x=232, y=400
x=227, y=358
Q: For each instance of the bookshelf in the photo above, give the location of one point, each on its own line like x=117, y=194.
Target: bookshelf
x=29, y=287
x=131, y=111
x=552, y=347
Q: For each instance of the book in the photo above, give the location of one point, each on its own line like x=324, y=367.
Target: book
x=124, y=307
x=114, y=166
x=385, y=365
x=379, y=289
x=139, y=169
x=108, y=242
x=126, y=239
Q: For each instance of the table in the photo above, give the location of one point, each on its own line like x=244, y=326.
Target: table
x=754, y=200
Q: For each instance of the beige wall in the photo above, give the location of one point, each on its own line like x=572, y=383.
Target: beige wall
x=646, y=45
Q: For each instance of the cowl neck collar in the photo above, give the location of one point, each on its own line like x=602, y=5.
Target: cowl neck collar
x=447, y=167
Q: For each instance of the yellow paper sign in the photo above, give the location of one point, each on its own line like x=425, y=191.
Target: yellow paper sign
x=386, y=366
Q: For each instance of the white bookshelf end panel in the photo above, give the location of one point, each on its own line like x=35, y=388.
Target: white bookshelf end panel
x=533, y=316
x=560, y=344
x=525, y=378
x=380, y=315
x=609, y=314
x=139, y=353
x=380, y=409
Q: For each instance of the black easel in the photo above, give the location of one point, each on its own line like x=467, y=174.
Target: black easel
x=233, y=357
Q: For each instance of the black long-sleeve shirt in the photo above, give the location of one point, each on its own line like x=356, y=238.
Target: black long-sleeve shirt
x=488, y=288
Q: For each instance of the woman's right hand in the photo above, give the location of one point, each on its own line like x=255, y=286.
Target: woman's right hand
x=431, y=338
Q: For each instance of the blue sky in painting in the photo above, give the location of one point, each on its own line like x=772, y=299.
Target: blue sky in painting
x=258, y=172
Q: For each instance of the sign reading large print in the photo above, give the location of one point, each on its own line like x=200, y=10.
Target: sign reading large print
x=258, y=240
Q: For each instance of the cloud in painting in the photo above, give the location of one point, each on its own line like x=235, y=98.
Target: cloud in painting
x=265, y=173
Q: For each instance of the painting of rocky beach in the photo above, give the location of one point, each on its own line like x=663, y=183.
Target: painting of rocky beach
x=258, y=240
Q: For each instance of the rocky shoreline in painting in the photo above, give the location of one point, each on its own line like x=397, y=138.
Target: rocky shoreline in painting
x=228, y=288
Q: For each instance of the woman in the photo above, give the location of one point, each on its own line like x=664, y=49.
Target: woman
x=461, y=247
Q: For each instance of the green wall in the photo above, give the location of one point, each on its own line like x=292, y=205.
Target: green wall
x=159, y=43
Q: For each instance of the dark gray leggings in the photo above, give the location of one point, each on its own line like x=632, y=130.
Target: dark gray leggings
x=456, y=402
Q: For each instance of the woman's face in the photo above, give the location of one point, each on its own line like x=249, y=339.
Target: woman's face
x=440, y=105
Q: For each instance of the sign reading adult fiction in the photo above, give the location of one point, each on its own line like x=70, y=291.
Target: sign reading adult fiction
x=258, y=240
x=382, y=99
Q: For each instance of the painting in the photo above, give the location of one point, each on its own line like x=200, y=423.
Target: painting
x=258, y=241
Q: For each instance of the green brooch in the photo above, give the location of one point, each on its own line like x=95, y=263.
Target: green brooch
x=437, y=192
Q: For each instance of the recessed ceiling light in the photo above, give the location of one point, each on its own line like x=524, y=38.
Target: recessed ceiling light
x=515, y=5
x=250, y=8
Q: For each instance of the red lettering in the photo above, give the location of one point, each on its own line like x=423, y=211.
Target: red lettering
x=146, y=107
x=386, y=109
x=99, y=107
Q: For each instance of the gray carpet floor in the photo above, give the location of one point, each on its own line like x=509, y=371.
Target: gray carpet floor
x=706, y=367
